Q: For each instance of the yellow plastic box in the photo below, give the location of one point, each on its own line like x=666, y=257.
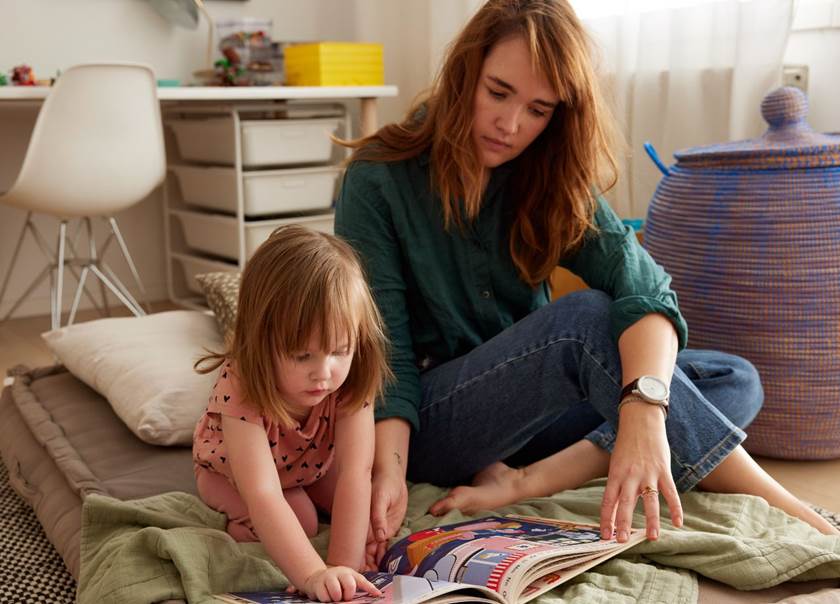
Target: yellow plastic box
x=334, y=64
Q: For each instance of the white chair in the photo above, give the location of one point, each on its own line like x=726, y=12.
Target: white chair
x=96, y=149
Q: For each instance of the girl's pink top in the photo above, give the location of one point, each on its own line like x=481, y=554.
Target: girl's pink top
x=302, y=453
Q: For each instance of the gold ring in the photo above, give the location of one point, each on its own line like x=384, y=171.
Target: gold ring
x=648, y=491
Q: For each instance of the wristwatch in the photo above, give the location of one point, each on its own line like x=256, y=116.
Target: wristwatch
x=649, y=389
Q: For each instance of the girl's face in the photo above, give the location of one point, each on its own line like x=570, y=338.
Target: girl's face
x=307, y=376
x=513, y=103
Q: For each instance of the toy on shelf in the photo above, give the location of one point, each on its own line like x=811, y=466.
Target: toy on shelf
x=22, y=75
x=226, y=73
x=249, y=56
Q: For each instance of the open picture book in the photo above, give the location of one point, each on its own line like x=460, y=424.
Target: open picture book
x=496, y=559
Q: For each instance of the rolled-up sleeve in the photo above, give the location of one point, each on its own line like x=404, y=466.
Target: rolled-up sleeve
x=612, y=260
x=363, y=219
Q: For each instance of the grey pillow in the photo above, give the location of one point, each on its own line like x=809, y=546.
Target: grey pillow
x=221, y=290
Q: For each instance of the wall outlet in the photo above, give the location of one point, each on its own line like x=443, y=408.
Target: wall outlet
x=795, y=75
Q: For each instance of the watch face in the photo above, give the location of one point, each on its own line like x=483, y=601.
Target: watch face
x=653, y=388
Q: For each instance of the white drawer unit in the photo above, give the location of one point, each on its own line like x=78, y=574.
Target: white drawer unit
x=265, y=192
x=217, y=235
x=276, y=142
x=237, y=173
x=195, y=265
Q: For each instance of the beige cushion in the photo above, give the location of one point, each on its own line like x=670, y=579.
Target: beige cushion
x=144, y=367
x=221, y=291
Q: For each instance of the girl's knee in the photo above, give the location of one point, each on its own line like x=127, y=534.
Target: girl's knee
x=304, y=509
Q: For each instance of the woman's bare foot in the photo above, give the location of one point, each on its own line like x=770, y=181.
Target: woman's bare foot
x=818, y=522
x=498, y=484
x=495, y=486
x=790, y=504
x=739, y=473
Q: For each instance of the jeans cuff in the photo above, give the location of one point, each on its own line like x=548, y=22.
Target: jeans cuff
x=603, y=436
x=689, y=474
x=686, y=474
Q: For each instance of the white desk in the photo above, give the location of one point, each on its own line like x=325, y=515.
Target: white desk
x=367, y=96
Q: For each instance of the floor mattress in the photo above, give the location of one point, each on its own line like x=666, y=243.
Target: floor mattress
x=60, y=441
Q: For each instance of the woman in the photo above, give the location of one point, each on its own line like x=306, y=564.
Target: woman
x=460, y=213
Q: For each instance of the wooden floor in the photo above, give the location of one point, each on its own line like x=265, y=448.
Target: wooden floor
x=817, y=482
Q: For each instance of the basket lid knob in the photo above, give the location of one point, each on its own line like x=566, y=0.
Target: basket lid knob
x=784, y=107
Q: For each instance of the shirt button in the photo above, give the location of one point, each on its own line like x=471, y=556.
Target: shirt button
x=485, y=294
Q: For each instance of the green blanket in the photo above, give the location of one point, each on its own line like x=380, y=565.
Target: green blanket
x=172, y=546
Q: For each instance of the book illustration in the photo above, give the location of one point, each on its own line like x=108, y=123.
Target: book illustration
x=501, y=559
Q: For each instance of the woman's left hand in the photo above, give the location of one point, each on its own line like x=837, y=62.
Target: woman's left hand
x=640, y=466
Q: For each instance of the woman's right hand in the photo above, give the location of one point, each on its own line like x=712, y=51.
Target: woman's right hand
x=640, y=466
x=389, y=493
x=336, y=584
x=389, y=501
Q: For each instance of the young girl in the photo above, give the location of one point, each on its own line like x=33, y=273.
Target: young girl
x=289, y=425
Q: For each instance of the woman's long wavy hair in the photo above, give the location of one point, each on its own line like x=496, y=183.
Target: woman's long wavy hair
x=558, y=176
x=300, y=282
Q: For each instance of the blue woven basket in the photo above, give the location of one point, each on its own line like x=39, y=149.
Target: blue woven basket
x=750, y=233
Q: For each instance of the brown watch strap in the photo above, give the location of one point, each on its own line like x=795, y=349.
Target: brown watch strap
x=628, y=389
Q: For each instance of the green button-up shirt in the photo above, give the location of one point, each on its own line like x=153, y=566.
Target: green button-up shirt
x=443, y=292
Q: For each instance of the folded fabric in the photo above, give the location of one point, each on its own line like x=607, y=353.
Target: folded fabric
x=144, y=367
x=172, y=546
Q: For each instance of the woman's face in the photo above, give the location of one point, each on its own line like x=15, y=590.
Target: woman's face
x=513, y=103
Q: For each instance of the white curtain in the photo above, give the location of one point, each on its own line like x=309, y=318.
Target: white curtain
x=682, y=76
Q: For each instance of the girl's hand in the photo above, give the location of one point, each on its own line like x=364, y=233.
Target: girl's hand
x=336, y=584
x=640, y=465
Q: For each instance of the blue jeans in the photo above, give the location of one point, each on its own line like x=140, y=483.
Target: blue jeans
x=554, y=378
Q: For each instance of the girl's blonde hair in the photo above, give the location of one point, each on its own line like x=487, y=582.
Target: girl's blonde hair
x=297, y=283
x=553, y=179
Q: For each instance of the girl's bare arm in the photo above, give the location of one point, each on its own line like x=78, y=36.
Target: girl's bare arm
x=354, y=448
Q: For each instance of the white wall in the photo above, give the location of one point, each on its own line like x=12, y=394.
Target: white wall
x=819, y=49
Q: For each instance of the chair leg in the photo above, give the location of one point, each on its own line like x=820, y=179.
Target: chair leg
x=14, y=260
x=47, y=271
x=71, y=248
x=116, y=291
x=135, y=305
x=94, y=259
x=116, y=231
x=79, y=289
x=59, y=269
x=29, y=225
